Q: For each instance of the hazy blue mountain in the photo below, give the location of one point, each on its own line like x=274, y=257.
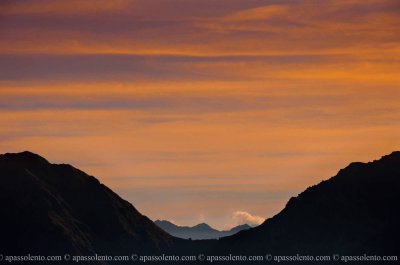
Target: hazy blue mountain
x=200, y=231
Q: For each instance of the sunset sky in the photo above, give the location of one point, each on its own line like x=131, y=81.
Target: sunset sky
x=212, y=111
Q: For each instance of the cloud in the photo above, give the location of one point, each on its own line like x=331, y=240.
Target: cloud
x=200, y=90
x=201, y=28
x=242, y=217
x=64, y=7
x=258, y=13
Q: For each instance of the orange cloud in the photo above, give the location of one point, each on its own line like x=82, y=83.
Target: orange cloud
x=201, y=106
x=66, y=7
x=259, y=13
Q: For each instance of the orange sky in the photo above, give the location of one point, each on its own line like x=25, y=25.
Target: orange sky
x=195, y=110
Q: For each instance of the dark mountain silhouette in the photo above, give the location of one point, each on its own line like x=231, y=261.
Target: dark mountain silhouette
x=56, y=209
x=48, y=208
x=355, y=212
x=200, y=231
x=239, y=228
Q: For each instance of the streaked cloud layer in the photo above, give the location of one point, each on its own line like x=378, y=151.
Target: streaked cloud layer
x=219, y=106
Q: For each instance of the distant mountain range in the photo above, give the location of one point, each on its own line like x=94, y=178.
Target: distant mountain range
x=200, y=231
x=56, y=209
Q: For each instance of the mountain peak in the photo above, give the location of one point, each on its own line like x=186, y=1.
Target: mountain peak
x=199, y=231
x=23, y=157
x=340, y=214
x=64, y=209
x=202, y=226
x=240, y=228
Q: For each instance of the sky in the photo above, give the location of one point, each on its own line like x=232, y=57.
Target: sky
x=202, y=111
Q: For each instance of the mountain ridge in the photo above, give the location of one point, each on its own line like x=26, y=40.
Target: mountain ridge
x=199, y=231
x=52, y=208
x=355, y=211
x=56, y=208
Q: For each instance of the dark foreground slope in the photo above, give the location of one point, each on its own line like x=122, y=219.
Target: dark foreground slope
x=48, y=208
x=355, y=212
